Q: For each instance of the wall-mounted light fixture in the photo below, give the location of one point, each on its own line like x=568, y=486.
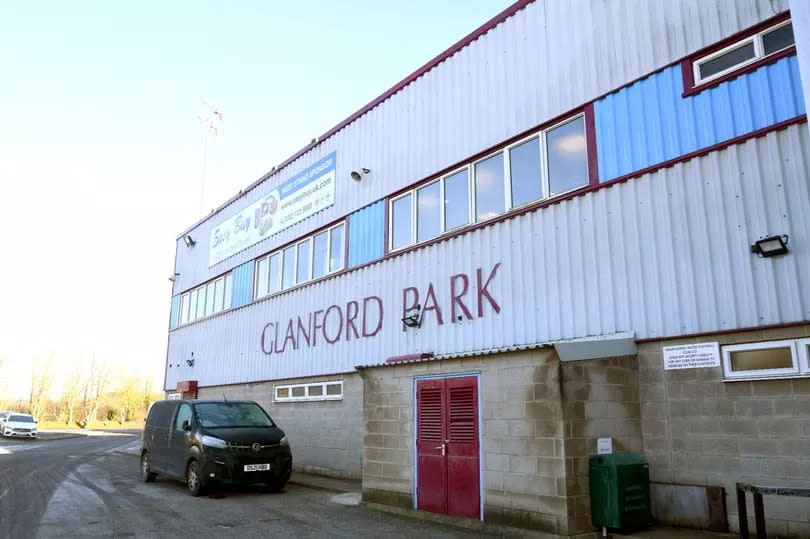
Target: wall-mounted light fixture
x=190, y=362
x=770, y=246
x=357, y=175
x=412, y=320
x=189, y=241
x=173, y=277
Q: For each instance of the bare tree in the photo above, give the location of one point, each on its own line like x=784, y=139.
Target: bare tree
x=93, y=391
x=40, y=387
x=71, y=397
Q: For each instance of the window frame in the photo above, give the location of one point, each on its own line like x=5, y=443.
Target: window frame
x=799, y=356
x=545, y=184
x=693, y=83
x=185, y=299
x=307, y=397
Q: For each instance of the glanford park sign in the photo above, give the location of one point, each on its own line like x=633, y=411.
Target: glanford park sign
x=305, y=194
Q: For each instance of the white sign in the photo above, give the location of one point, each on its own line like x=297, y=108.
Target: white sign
x=173, y=396
x=604, y=446
x=692, y=356
x=296, y=199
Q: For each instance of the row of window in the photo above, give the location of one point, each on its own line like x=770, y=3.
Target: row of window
x=207, y=299
x=311, y=258
x=774, y=359
x=318, y=391
x=546, y=164
x=746, y=51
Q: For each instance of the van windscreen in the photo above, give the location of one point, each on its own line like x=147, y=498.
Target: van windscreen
x=232, y=414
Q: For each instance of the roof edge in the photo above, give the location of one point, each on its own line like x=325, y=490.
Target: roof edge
x=441, y=57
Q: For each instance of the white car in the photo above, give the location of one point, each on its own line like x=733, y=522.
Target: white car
x=20, y=425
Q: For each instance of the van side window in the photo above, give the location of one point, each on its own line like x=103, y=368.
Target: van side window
x=160, y=415
x=183, y=414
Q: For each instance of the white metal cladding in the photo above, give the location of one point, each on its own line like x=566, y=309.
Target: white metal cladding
x=662, y=255
x=548, y=58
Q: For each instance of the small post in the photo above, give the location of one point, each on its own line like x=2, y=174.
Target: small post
x=759, y=516
x=742, y=513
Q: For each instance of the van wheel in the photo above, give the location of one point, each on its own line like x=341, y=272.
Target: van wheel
x=147, y=475
x=275, y=486
x=194, y=480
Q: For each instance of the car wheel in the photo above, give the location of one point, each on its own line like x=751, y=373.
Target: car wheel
x=194, y=480
x=147, y=475
x=275, y=486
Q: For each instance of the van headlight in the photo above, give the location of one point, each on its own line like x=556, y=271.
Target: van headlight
x=210, y=441
x=284, y=442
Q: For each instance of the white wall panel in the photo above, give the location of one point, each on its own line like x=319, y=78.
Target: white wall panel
x=661, y=255
x=550, y=57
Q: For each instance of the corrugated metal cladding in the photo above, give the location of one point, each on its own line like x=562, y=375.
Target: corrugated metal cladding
x=649, y=122
x=665, y=254
x=367, y=234
x=548, y=58
x=242, y=284
x=173, y=317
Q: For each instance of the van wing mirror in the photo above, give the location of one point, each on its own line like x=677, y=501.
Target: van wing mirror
x=186, y=425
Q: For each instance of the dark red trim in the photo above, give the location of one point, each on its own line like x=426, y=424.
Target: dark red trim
x=686, y=65
x=590, y=137
x=447, y=53
x=724, y=332
x=217, y=277
x=531, y=207
x=687, y=76
x=345, y=243
x=409, y=358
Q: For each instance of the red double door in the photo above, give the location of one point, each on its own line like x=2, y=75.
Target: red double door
x=447, y=452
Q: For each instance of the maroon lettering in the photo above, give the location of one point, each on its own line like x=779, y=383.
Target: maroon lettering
x=289, y=337
x=264, y=332
x=455, y=299
x=315, y=326
x=303, y=330
x=351, y=315
x=325, y=324
x=380, y=313
x=431, y=305
x=275, y=338
x=405, y=307
x=482, y=291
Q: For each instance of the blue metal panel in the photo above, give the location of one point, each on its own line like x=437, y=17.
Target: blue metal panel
x=650, y=122
x=175, y=311
x=242, y=284
x=367, y=234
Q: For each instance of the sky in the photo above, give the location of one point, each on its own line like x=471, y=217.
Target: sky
x=101, y=145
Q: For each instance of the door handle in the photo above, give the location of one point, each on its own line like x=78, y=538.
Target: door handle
x=442, y=447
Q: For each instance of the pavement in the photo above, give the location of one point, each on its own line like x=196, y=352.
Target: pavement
x=88, y=486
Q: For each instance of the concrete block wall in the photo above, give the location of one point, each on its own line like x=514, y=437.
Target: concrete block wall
x=326, y=437
x=599, y=399
x=699, y=430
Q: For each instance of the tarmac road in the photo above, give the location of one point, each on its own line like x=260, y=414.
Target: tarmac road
x=83, y=487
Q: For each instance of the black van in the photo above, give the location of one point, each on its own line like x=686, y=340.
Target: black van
x=207, y=441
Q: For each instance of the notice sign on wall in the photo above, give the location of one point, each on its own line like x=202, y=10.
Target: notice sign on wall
x=692, y=356
x=305, y=194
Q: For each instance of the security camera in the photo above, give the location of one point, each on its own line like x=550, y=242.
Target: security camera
x=357, y=175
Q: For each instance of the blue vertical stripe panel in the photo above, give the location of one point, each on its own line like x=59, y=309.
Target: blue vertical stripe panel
x=367, y=234
x=649, y=122
x=242, y=284
x=175, y=311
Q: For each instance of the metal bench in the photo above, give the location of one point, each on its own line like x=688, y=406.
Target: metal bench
x=759, y=507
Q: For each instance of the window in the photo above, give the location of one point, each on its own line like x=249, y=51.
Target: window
x=401, y=222
x=743, y=52
x=456, y=200
x=183, y=414
x=318, y=391
x=567, y=159
x=303, y=262
x=489, y=181
x=547, y=163
x=312, y=258
x=428, y=214
x=288, y=274
x=774, y=359
x=207, y=299
x=524, y=170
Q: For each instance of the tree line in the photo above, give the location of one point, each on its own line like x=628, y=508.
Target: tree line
x=86, y=397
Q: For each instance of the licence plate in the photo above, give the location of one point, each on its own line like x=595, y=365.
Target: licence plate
x=257, y=467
